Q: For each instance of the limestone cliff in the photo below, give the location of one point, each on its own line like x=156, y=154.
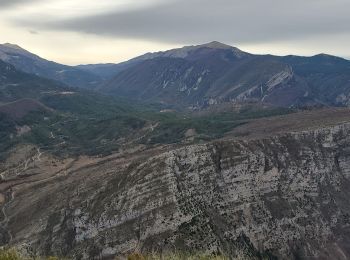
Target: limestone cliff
x=286, y=196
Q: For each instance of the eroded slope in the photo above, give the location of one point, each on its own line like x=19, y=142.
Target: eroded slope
x=285, y=196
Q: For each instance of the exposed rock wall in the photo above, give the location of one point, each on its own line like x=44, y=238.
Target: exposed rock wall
x=286, y=196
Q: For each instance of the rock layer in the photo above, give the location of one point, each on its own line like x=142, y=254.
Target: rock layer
x=285, y=196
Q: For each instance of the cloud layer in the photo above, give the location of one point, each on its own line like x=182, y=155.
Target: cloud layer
x=90, y=31
x=11, y=3
x=194, y=21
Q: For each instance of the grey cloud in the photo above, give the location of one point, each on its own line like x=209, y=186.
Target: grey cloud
x=232, y=21
x=33, y=32
x=11, y=3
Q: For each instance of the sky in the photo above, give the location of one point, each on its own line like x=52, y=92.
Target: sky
x=89, y=31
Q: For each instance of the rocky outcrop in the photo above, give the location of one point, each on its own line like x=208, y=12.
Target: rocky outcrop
x=285, y=196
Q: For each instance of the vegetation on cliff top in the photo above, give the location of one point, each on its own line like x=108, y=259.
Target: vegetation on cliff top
x=12, y=254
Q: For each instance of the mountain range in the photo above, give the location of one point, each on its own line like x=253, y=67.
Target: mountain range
x=214, y=73
x=204, y=149
x=33, y=64
x=16, y=84
x=204, y=75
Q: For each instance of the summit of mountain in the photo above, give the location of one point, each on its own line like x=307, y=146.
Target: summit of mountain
x=31, y=63
x=109, y=70
x=213, y=73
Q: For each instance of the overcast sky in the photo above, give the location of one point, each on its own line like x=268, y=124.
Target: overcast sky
x=91, y=31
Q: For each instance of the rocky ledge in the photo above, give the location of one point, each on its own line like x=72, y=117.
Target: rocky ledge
x=286, y=196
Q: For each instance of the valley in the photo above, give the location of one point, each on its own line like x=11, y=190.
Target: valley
x=204, y=149
x=183, y=194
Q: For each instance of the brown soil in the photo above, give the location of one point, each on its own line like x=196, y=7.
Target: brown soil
x=301, y=121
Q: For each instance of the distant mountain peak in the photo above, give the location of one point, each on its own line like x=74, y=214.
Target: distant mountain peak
x=31, y=63
x=9, y=48
x=187, y=50
x=12, y=46
x=325, y=56
x=213, y=45
x=216, y=45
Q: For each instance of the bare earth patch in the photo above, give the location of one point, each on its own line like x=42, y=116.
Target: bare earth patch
x=2, y=199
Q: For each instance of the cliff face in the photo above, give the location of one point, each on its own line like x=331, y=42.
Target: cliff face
x=286, y=196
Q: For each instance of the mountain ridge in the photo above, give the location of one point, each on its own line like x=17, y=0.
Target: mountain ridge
x=85, y=175
x=224, y=196
x=33, y=64
x=117, y=67
x=199, y=76
x=208, y=75
x=108, y=70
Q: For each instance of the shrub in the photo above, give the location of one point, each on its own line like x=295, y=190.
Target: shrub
x=176, y=256
x=12, y=254
x=9, y=254
x=136, y=256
